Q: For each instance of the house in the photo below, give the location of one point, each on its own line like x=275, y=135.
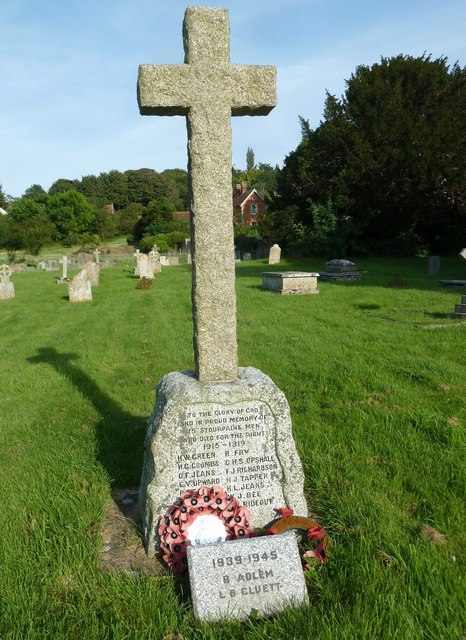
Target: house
x=3, y=212
x=247, y=205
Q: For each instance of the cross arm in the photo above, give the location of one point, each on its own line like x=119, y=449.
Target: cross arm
x=253, y=89
x=164, y=90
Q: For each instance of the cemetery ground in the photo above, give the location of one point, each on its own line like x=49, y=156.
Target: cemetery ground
x=375, y=378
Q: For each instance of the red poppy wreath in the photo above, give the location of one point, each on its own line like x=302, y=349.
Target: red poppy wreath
x=207, y=514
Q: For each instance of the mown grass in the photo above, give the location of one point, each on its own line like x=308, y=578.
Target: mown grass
x=375, y=378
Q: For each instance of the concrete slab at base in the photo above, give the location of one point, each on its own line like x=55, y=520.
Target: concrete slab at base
x=236, y=435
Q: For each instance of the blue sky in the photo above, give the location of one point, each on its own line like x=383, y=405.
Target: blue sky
x=68, y=72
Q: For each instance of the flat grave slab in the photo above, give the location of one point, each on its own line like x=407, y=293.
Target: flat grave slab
x=232, y=579
x=290, y=282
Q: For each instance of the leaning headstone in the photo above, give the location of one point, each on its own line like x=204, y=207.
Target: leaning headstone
x=144, y=267
x=7, y=289
x=275, y=254
x=92, y=271
x=232, y=579
x=79, y=289
x=221, y=425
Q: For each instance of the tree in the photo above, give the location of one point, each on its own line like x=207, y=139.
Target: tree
x=3, y=202
x=159, y=218
x=72, y=215
x=390, y=154
x=250, y=163
x=25, y=209
x=63, y=184
x=36, y=192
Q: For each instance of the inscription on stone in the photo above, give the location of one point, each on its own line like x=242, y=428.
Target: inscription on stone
x=231, y=579
x=224, y=441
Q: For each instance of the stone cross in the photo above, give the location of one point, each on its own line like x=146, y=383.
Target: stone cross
x=97, y=254
x=5, y=273
x=208, y=90
x=64, y=262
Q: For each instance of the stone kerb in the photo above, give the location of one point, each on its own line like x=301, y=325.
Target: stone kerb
x=236, y=435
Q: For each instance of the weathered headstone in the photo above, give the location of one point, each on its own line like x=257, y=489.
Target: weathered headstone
x=83, y=259
x=433, y=265
x=275, y=254
x=51, y=265
x=247, y=256
x=7, y=289
x=92, y=271
x=222, y=425
x=144, y=267
x=232, y=579
x=96, y=255
x=79, y=289
x=154, y=260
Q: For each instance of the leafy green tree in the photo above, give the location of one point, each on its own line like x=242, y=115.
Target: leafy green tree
x=32, y=234
x=159, y=218
x=180, y=178
x=250, y=162
x=126, y=218
x=114, y=186
x=26, y=208
x=72, y=215
x=93, y=188
x=3, y=202
x=104, y=224
x=63, y=184
x=36, y=192
x=390, y=154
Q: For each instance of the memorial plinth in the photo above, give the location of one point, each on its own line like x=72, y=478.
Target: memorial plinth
x=235, y=435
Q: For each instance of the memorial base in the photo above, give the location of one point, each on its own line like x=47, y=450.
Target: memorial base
x=236, y=435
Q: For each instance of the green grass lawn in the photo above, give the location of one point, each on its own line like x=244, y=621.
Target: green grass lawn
x=375, y=378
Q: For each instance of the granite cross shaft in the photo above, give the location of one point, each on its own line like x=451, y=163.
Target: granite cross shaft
x=208, y=90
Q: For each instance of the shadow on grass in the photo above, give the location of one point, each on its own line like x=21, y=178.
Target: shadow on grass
x=120, y=435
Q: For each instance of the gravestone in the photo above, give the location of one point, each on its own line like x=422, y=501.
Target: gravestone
x=247, y=256
x=51, y=265
x=136, y=255
x=96, y=255
x=290, y=282
x=144, y=266
x=64, y=278
x=41, y=265
x=154, y=260
x=92, y=271
x=83, y=259
x=7, y=289
x=173, y=261
x=275, y=254
x=232, y=579
x=460, y=309
x=340, y=269
x=433, y=265
x=221, y=425
x=79, y=289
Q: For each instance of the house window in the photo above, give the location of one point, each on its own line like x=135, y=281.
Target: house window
x=254, y=209
x=253, y=223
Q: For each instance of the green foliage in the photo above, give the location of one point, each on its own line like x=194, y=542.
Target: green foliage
x=279, y=225
x=26, y=208
x=250, y=162
x=104, y=224
x=3, y=202
x=36, y=192
x=72, y=215
x=126, y=218
x=391, y=156
x=159, y=218
x=146, y=243
x=63, y=184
